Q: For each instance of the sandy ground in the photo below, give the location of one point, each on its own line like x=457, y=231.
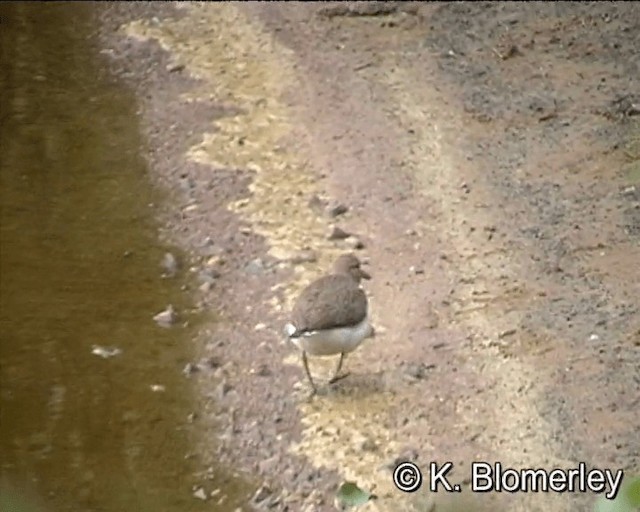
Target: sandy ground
x=488, y=155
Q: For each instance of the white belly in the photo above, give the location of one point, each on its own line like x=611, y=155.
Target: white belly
x=332, y=341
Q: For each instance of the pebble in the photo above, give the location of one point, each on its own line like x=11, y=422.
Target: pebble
x=262, y=493
x=337, y=233
x=167, y=317
x=336, y=210
x=208, y=275
x=170, y=264
x=316, y=204
x=506, y=333
x=255, y=266
x=105, y=352
x=190, y=369
x=368, y=445
x=200, y=494
x=263, y=371
x=216, y=261
x=305, y=256
x=174, y=68
x=418, y=371
x=222, y=389
x=354, y=243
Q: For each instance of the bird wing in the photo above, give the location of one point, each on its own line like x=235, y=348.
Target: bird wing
x=330, y=302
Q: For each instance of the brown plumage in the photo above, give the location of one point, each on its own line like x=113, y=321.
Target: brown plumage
x=335, y=300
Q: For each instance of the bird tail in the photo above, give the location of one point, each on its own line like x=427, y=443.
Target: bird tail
x=291, y=331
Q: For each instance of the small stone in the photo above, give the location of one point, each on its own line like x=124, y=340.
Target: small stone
x=208, y=275
x=417, y=371
x=222, y=389
x=508, y=332
x=255, y=266
x=216, y=261
x=262, y=494
x=190, y=369
x=105, y=352
x=200, y=494
x=209, y=363
x=169, y=264
x=337, y=234
x=316, y=204
x=354, y=243
x=157, y=388
x=167, y=317
x=337, y=209
x=368, y=446
x=175, y=67
x=415, y=270
x=260, y=327
x=268, y=466
x=305, y=256
x=263, y=371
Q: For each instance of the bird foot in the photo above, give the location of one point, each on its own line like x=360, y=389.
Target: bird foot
x=337, y=377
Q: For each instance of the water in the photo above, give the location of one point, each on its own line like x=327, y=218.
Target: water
x=79, y=266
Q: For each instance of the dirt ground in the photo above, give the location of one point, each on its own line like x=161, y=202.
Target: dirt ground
x=488, y=154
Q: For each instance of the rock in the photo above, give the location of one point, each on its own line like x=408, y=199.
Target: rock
x=268, y=466
x=354, y=243
x=209, y=363
x=205, y=287
x=175, y=67
x=505, y=334
x=263, y=371
x=105, y=352
x=417, y=371
x=255, y=266
x=305, y=256
x=216, y=261
x=170, y=265
x=190, y=369
x=408, y=455
x=208, y=275
x=337, y=209
x=200, y=494
x=316, y=204
x=261, y=494
x=368, y=446
x=222, y=389
x=337, y=234
x=415, y=270
x=167, y=317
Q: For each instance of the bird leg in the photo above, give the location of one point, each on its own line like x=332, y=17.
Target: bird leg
x=337, y=377
x=306, y=368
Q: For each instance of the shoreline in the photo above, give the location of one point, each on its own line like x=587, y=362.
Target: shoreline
x=246, y=147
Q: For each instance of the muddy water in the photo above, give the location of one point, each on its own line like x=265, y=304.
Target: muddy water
x=80, y=267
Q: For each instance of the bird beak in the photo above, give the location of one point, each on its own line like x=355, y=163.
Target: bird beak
x=363, y=274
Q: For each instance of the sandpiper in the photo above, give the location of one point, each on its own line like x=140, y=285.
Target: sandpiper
x=330, y=316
